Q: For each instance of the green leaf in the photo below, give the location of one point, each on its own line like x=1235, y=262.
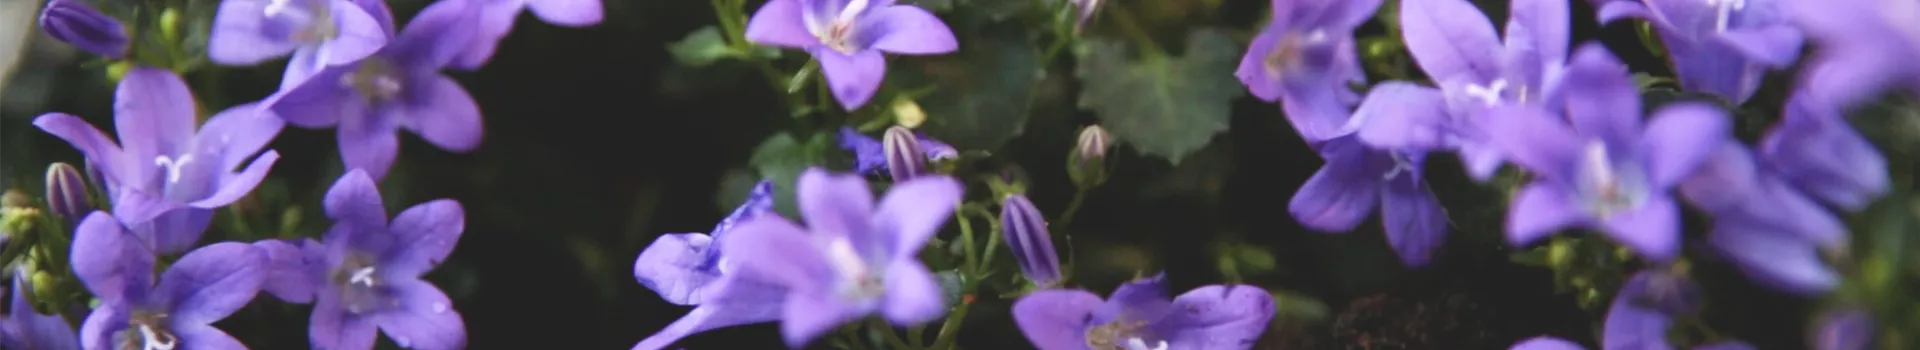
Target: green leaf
x=700, y=48
x=1164, y=106
x=984, y=91
x=782, y=158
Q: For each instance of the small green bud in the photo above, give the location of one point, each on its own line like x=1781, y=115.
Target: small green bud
x=170, y=24
x=1087, y=164
x=908, y=114
x=43, y=286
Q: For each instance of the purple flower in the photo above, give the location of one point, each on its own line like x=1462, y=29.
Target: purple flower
x=497, y=17
x=399, y=87
x=165, y=177
x=25, y=328
x=1721, y=47
x=330, y=32
x=1815, y=149
x=690, y=269
x=1546, y=343
x=870, y=155
x=855, y=258
x=1606, y=170
x=1865, y=46
x=176, y=311
x=1026, y=234
x=1456, y=45
x=1644, y=309
x=847, y=36
x=1844, y=329
x=1769, y=230
x=77, y=24
x=1355, y=179
x=1305, y=58
x=1139, y=316
x=367, y=274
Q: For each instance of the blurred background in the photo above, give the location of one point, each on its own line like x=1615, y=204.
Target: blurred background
x=600, y=139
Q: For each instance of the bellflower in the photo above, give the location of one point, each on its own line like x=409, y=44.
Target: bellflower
x=1843, y=329
x=398, y=87
x=1305, y=58
x=1816, y=150
x=1455, y=44
x=77, y=24
x=1605, y=169
x=497, y=17
x=331, y=32
x=690, y=269
x=165, y=177
x=855, y=258
x=1865, y=46
x=366, y=275
x=1720, y=47
x=25, y=328
x=847, y=37
x=1026, y=234
x=1139, y=316
x=1769, y=230
x=175, y=312
x=1640, y=315
x=870, y=155
x=1355, y=179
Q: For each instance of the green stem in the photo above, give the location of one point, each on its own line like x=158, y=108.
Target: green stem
x=985, y=261
x=1073, y=207
x=918, y=334
x=893, y=336
x=966, y=242
x=950, y=329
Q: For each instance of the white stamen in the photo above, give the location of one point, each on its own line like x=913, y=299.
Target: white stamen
x=1400, y=165
x=276, y=7
x=155, y=341
x=173, y=165
x=1724, y=10
x=1137, y=344
x=860, y=281
x=1490, y=93
x=853, y=9
x=363, y=276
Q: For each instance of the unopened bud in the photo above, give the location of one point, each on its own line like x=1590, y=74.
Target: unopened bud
x=43, y=285
x=1026, y=233
x=1087, y=164
x=907, y=113
x=67, y=192
x=77, y=24
x=904, y=156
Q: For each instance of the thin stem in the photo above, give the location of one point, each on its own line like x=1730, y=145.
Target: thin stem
x=966, y=241
x=1079, y=196
x=993, y=240
x=893, y=336
x=950, y=329
x=918, y=334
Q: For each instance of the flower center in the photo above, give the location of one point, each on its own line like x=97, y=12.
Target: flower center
x=858, y=280
x=1290, y=52
x=1123, y=335
x=376, y=79
x=173, y=165
x=1724, y=10
x=1401, y=165
x=1607, y=189
x=839, y=36
x=361, y=288
x=147, y=331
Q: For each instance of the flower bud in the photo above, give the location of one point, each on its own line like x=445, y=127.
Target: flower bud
x=43, y=285
x=907, y=113
x=904, y=157
x=80, y=25
x=1087, y=165
x=67, y=192
x=1026, y=233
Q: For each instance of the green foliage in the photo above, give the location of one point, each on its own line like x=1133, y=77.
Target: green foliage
x=707, y=45
x=982, y=95
x=782, y=158
x=1164, y=107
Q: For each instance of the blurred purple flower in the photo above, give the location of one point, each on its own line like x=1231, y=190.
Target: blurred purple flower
x=1546, y=343
x=1027, y=236
x=25, y=328
x=368, y=271
x=855, y=258
x=1772, y=232
x=398, y=87
x=1140, y=316
x=1356, y=179
x=1844, y=329
x=691, y=269
x=77, y=24
x=330, y=32
x=1816, y=150
x=1456, y=45
x=847, y=37
x=870, y=155
x=1305, y=58
x=1720, y=47
x=1866, y=46
x=1644, y=309
x=175, y=312
x=1607, y=170
x=165, y=177
x=497, y=17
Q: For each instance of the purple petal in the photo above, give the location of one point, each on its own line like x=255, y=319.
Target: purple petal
x=771, y=248
x=1319, y=104
x=1415, y=222
x=134, y=207
x=708, y=317
x=1632, y=327
x=243, y=35
x=286, y=271
x=1680, y=138
x=779, y=23
x=1253, y=68
x=444, y=115
x=355, y=199
x=1652, y=230
x=1546, y=343
x=1055, y=319
x=910, y=30
x=1541, y=27
x=317, y=100
x=212, y=282
x=1817, y=151
x=1536, y=140
x=915, y=210
x=436, y=36
x=427, y=233
x=675, y=266
x=175, y=231
x=235, y=186
x=154, y=113
x=359, y=36
x=1218, y=317
x=1776, y=46
x=112, y=264
x=381, y=14
x=1343, y=14
x=1779, y=260
x=425, y=319
x=1482, y=160
x=96, y=330
x=496, y=20
x=839, y=204
x=1336, y=198
x=331, y=327
x=1725, y=180
x=1618, y=10
x=1450, y=39
x=853, y=77
x=1601, y=98
x=804, y=318
x=1540, y=210
x=369, y=147
x=102, y=152
x=567, y=13
x=205, y=337
x=913, y=296
x=1715, y=68
x=1142, y=299
x=25, y=328
x=1844, y=329
x=1398, y=114
x=239, y=132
